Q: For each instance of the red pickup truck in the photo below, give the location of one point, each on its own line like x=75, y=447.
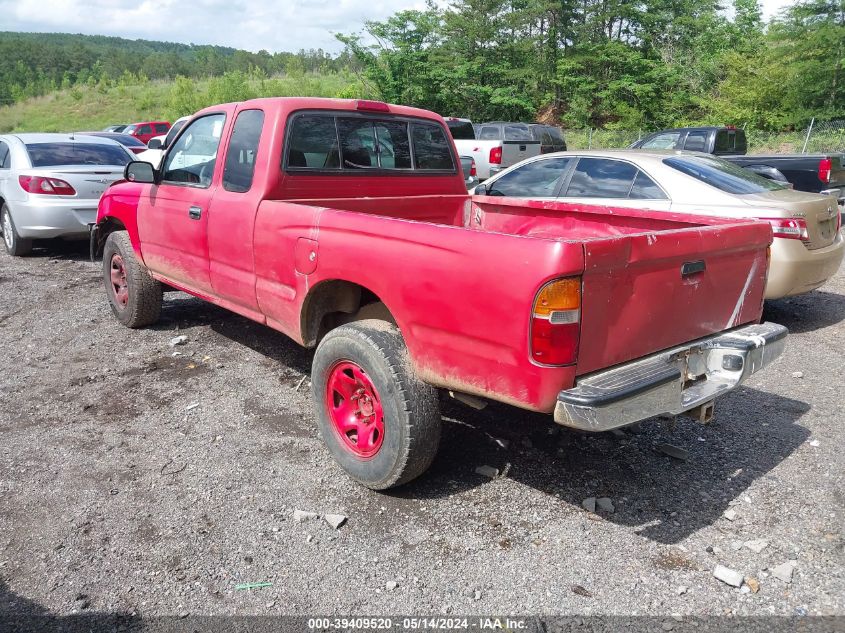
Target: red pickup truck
x=346, y=226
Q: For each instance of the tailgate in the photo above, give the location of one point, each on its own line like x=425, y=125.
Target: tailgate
x=515, y=151
x=648, y=292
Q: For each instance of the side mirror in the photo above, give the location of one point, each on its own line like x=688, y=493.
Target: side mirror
x=480, y=190
x=139, y=171
x=155, y=143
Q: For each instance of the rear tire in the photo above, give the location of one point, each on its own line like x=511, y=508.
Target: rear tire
x=363, y=384
x=134, y=296
x=16, y=245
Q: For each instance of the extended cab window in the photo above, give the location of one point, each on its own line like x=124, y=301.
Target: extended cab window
x=243, y=147
x=696, y=142
x=192, y=158
x=538, y=179
x=358, y=143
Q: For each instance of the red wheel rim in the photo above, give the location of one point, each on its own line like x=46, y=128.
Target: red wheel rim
x=119, y=287
x=355, y=409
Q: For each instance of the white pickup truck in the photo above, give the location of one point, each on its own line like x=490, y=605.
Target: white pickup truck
x=494, y=146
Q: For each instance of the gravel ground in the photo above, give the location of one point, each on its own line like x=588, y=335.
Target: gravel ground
x=141, y=482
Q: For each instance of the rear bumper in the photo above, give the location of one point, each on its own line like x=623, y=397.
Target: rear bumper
x=795, y=270
x=670, y=382
x=54, y=218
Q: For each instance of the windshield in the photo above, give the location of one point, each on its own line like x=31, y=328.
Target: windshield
x=721, y=174
x=51, y=154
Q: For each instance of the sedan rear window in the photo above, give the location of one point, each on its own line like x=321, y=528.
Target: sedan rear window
x=52, y=154
x=721, y=174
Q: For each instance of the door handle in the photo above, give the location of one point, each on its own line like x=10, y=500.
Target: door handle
x=195, y=213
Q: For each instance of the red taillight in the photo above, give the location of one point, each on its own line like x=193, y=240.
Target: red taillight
x=556, y=322
x=495, y=155
x=373, y=106
x=789, y=228
x=46, y=186
x=472, y=171
x=825, y=165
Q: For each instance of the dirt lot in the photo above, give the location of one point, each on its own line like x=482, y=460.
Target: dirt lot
x=135, y=481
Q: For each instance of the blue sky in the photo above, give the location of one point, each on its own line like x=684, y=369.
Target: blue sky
x=249, y=24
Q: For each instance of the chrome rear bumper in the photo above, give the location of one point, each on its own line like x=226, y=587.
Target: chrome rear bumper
x=670, y=382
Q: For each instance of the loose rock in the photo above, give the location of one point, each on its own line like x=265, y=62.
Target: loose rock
x=730, y=514
x=753, y=584
x=681, y=590
x=487, y=471
x=728, y=576
x=784, y=571
x=757, y=545
x=303, y=515
x=391, y=585
x=605, y=504
x=589, y=504
x=178, y=340
x=673, y=451
x=798, y=374
x=580, y=591
x=335, y=520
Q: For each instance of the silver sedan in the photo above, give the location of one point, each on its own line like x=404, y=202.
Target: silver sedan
x=50, y=185
x=808, y=246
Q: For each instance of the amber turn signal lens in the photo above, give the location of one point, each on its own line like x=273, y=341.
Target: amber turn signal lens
x=562, y=294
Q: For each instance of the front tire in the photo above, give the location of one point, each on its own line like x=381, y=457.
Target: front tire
x=134, y=296
x=379, y=421
x=16, y=245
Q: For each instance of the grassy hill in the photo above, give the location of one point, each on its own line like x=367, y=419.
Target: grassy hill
x=132, y=99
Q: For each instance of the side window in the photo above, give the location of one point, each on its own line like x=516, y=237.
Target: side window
x=667, y=140
x=192, y=158
x=243, y=147
x=696, y=142
x=432, y=150
x=4, y=156
x=313, y=143
x=538, y=179
x=645, y=189
x=489, y=133
x=601, y=178
x=145, y=129
x=161, y=128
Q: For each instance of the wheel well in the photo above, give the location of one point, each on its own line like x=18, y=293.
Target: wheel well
x=106, y=228
x=332, y=303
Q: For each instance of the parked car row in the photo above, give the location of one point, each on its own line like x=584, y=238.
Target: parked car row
x=808, y=244
x=143, y=131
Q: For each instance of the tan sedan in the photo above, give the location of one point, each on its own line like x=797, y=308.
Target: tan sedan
x=808, y=245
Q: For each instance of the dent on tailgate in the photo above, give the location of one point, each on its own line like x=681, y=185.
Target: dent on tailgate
x=636, y=301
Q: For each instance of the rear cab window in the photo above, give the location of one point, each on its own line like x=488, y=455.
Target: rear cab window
x=721, y=174
x=461, y=130
x=337, y=142
x=730, y=142
x=52, y=154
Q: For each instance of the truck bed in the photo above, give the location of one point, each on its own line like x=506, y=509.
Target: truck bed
x=635, y=298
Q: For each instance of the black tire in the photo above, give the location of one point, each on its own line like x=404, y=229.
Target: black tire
x=16, y=245
x=411, y=407
x=143, y=305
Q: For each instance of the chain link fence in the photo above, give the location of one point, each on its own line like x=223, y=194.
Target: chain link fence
x=819, y=136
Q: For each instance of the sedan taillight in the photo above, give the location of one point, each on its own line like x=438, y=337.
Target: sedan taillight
x=46, y=186
x=472, y=171
x=789, y=228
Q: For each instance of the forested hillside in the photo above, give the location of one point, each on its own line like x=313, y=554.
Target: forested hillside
x=613, y=64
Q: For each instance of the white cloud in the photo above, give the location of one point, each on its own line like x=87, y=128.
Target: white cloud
x=249, y=24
